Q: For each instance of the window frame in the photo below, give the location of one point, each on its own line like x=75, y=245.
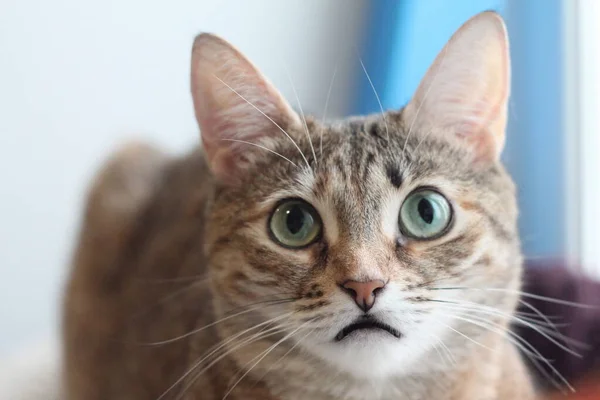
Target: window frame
x=582, y=127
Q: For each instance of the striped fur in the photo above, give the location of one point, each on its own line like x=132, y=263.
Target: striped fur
x=179, y=292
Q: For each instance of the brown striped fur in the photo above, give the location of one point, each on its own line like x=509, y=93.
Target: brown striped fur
x=174, y=257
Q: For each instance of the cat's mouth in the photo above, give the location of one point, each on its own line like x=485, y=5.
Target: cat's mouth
x=367, y=324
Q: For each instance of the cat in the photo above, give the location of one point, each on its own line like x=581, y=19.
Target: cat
x=371, y=258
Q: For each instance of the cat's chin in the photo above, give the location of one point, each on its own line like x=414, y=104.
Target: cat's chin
x=368, y=354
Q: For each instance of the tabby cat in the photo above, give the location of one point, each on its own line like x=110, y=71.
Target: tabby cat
x=372, y=258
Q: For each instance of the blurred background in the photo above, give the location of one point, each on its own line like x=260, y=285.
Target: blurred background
x=79, y=77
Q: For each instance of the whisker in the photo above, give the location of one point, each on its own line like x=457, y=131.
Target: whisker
x=440, y=342
x=499, y=329
x=536, y=325
x=484, y=308
x=533, y=357
x=264, y=354
x=437, y=350
x=218, y=347
x=387, y=131
x=535, y=316
x=520, y=343
x=548, y=375
x=195, y=331
x=540, y=314
x=255, y=338
x=264, y=148
x=269, y=118
x=466, y=336
x=549, y=335
x=546, y=299
x=534, y=320
x=301, y=112
x=325, y=111
x=450, y=355
x=285, y=355
x=277, y=299
x=524, y=294
x=260, y=334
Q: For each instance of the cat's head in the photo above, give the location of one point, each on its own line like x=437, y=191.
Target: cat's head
x=369, y=241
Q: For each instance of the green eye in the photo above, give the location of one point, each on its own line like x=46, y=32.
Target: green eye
x=425, y=214
x=295, y=224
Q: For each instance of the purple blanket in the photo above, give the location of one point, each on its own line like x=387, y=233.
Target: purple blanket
x=553, y=279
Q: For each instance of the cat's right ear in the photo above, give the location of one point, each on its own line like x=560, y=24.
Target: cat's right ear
x=465, y=92
x=235, y=105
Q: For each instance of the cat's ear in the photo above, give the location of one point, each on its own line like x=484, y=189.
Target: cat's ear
x=465, y=91
x=234, y=105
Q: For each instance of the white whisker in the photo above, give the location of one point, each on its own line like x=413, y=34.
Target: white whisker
x=544, y=298
x=447, y=351
x=269, y=118
x=264, y=148
x=262, y=356
x=549, y=335
x=518, y=342
x=501, y=330
x=387, y=131
x=466, y=337
x=195, y=331
x=272, y=331
x=540, y=314
x=255, y=338
x=523, y=294
x=438, y=341
x=288, y=352
x=325, y=111
x=301, y=113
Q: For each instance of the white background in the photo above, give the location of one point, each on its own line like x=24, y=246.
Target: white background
x=77, y=77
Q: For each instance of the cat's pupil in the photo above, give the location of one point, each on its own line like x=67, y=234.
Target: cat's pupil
x=426, y=210
x=295, y=220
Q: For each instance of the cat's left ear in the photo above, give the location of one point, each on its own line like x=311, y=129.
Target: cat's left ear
x=238, y=109
x=465, y=91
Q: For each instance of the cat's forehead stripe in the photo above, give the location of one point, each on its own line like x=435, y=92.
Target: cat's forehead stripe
x=394, y=175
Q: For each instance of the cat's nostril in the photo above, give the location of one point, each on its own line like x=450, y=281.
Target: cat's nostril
x=363, y=293
x=350, y=291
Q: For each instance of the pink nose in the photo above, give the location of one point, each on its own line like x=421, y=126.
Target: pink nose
x=364, y=293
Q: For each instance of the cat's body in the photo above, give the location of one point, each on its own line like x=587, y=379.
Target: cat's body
x=185, y=286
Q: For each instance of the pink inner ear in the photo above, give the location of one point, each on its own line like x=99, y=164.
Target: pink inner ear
x=465, y=92
x=237, y=109
x=473, y=115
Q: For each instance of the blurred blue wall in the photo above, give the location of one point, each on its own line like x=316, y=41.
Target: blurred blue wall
x=403, y=39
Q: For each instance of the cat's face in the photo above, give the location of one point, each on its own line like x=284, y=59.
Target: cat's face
x=368, y=241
